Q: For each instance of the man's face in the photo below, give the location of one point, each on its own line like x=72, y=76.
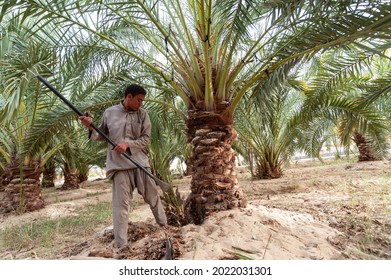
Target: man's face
x=133, y=103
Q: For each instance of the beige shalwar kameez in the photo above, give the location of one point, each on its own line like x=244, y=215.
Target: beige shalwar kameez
x=134, y=127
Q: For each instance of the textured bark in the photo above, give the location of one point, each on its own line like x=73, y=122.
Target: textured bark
x=364, y=148
x=71, y=179
x=189, y=168
x=214, y=179
x=23, y=192
x=269, y=171
x=48, y=177
x=82, y=172
x=3, y=179
x=82, y=177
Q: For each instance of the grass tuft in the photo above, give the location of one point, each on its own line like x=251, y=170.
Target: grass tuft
x=47, y=233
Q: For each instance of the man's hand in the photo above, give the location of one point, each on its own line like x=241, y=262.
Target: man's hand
x=86, y=121
x=121, y=147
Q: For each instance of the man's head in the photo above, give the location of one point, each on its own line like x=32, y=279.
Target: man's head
x=134, y=97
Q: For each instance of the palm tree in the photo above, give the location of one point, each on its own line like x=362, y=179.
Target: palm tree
x=76, y=156
x=214, y=53
x=68, y=156
x=92, y=154
x=375, y=93
x=22, y=104
x=268, y=136
x=5, y=152
x=336, y=92
x=49, y=174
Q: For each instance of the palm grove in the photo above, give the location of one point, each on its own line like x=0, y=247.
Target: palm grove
x=263, y=79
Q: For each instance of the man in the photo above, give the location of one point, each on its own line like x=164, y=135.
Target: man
x=128, y=125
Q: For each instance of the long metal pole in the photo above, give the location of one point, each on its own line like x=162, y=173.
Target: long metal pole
x=164, y=186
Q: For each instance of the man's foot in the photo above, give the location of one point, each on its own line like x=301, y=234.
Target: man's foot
x=120, y=253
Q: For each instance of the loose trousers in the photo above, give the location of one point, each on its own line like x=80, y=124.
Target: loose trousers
x=124, y=183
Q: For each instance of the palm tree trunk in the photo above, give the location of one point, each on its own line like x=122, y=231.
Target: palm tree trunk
x=71, y=179
x=1, y=182
x=214, y=179
x=3, y=179
x=189, y=168
x=82, y=172
x=267, y=170
x=82, y=176
x=364, y=148
x=23, y=192
x=48, y=177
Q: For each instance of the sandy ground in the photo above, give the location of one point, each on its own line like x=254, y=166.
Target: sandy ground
x=328, y=212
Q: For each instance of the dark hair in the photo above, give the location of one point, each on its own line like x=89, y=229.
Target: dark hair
x=134, y=90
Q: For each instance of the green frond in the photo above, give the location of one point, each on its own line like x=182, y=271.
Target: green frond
x=251, y=55
x=169, y=140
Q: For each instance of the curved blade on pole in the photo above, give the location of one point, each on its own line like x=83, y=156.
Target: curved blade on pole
x=163, y=185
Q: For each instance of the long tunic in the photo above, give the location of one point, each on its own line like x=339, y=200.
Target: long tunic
x=120, y=125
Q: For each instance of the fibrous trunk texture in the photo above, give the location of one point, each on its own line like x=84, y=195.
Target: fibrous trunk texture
x=267, y=170
x=4, y=179
x=48, y=177
x=82, y=176
x=71, y=179
x=189, y=168
x=23, y=192
x=82, y=173
x=214, y=179
x=364, y=148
